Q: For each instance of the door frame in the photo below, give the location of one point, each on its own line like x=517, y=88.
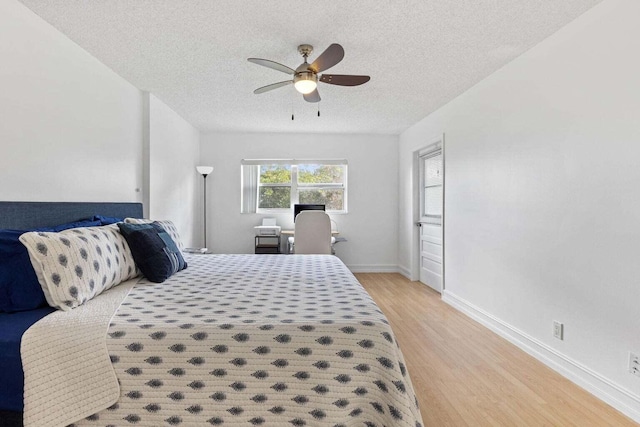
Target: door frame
x=433, y=144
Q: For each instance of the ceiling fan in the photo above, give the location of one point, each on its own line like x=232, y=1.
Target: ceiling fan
x=305, y=77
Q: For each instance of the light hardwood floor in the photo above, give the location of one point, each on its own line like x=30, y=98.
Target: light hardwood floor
x=466, y=375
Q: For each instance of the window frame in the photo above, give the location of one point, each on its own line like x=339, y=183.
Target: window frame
x=297, y=187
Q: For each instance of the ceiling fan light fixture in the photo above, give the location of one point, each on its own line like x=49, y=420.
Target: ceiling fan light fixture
x=305, y=82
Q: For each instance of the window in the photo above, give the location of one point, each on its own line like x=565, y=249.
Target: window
x=276, y=185
x=431, y=183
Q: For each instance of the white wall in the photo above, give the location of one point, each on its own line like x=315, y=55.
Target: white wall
x=73, y=130
x=542, y=199
x=371, y=224
x=174, y=150
x=70, y=128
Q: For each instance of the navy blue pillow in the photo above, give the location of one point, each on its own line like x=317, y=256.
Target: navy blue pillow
x=89, y=222
x=153, y=250
x=107, y=220
x=19, y=286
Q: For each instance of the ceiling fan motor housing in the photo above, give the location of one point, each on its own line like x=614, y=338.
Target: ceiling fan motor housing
x=305, y=80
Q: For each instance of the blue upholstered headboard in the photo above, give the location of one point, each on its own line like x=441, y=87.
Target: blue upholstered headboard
x=25, y=215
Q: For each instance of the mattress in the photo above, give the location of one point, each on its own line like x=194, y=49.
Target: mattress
x=12, y=326
x=254, y=340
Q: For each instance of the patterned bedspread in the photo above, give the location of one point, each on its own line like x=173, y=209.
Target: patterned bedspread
x=256, y=340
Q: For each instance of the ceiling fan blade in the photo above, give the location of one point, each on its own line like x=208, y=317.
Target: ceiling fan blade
x=344, y=79
x=327, y=59
x=272, y=86
x=273, y=65
x=312, y=97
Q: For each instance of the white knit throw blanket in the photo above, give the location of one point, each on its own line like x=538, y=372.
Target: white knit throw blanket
x=69, y=376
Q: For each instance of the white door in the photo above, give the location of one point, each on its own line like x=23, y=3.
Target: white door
x=431, y=210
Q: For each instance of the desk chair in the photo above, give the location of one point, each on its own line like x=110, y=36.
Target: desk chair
x=312, y=233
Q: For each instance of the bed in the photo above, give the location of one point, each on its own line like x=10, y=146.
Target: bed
x=230, y=340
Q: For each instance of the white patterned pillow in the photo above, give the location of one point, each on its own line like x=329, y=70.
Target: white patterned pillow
x=168, y=226
x=75, y=265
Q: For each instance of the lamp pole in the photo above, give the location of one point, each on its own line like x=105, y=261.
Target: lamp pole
x=204, y=171
x=204, y=175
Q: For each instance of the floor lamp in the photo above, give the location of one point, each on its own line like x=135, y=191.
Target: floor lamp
x=204, y=171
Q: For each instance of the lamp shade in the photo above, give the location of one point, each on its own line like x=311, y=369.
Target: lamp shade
x=204, y=170
x=305, y=82
x=305, y=86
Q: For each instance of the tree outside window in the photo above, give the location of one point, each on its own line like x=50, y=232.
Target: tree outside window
x=274, y=189
x=321, y=184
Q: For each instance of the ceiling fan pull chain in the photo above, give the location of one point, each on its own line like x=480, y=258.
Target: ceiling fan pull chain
x=318, y=109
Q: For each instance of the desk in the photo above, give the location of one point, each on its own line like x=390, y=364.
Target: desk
x=290, y=233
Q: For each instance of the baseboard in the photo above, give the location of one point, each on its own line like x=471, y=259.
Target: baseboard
x=373, y=268
x=601, y=387
x=406, y=272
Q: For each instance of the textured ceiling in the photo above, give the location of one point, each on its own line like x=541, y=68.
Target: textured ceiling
x=420, y=54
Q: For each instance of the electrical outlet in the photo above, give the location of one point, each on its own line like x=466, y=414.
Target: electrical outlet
x=634, y=364
x=558, y=330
